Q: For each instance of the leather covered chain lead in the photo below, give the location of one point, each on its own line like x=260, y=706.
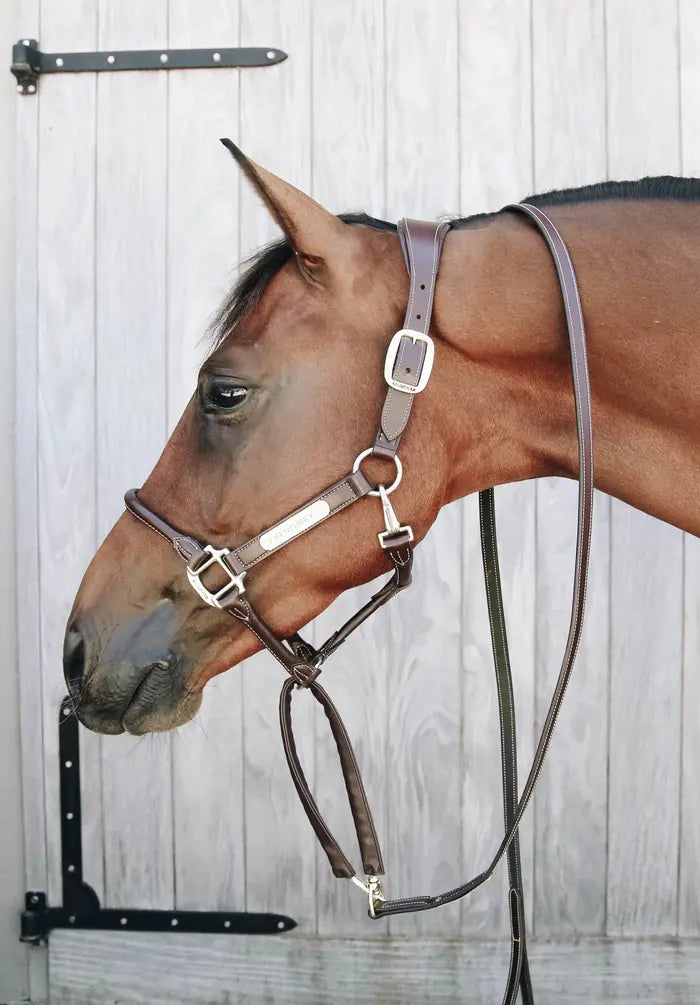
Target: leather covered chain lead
x=407, y=369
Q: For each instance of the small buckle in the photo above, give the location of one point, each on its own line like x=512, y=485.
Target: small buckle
x=216, y=556
x=391, y=522
x=393, y=351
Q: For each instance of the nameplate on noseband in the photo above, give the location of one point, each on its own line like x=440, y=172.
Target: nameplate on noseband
x=301, y=521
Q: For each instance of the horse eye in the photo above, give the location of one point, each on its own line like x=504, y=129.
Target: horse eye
x=221, y=397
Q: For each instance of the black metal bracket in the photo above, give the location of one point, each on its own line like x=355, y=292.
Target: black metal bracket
x=81, y=906
x=28, y=61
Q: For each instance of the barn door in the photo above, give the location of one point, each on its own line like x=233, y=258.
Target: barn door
x=131, y=218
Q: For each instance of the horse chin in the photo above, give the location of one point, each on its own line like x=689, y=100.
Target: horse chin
x=143, y=717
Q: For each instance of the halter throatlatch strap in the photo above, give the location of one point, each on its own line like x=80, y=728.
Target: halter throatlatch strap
x=408, y=364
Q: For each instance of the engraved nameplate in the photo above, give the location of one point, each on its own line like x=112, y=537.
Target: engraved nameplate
x=294, y=525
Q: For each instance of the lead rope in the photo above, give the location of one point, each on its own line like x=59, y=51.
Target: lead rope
x=518, y=970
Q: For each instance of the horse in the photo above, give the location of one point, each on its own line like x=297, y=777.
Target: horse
x=290, y=392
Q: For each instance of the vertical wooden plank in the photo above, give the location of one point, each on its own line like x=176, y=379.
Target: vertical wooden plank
x=275, y=129
x=130, y=407
x=496, y=168
x=203, y=186
x=66, y=403
x=571, y=803
x=646, y=558
x=14, y=158
x=423, y=844
x=26, y=432
x=28, y=594
x=348, y=85
x=348, y=81
x=689, y=906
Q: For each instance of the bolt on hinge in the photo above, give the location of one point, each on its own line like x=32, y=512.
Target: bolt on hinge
x=29, y=62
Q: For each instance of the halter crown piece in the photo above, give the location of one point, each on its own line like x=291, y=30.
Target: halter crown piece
x=407, y=369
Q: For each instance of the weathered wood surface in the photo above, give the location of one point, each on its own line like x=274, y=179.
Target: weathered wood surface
x=203, y=242
x=688, y=898
x=275, y=124
x=27, y=501
x=646, y=575
x=65, y=398
x=495, y=163
x=130, y=349
x=423, y=839
x=570, y=807
x=345, y=85
x=27, y=586
x=93, y=968
x=122, y=258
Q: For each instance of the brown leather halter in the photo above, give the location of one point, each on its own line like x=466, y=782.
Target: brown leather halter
x=407, y=370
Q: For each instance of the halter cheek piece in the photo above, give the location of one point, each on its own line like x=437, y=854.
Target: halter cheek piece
x=407, y=368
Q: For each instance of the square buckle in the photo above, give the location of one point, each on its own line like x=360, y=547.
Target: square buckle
x=216, y=556
x=393, y=351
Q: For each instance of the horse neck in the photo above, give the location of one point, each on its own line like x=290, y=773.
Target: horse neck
x=507, y=394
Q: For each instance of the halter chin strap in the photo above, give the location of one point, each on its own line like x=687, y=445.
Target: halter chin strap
x=407, y=369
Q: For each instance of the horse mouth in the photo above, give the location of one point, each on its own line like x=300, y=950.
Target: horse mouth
x=159, y=702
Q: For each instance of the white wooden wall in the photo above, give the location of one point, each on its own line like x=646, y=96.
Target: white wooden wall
x=132, y=221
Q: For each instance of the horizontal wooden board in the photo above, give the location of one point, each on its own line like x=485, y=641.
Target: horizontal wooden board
x=99, y=968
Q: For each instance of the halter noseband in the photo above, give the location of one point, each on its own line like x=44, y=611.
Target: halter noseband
x=407, y=369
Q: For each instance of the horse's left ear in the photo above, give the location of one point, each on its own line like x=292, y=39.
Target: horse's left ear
x=322, y=243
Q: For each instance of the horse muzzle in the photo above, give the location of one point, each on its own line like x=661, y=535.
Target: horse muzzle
x=134, y=680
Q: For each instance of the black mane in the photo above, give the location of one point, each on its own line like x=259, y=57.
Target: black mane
x=265, y=263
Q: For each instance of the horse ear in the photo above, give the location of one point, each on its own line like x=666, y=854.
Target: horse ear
x=319, y=239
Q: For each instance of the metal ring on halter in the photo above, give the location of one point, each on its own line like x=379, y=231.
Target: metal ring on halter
x=399, y=471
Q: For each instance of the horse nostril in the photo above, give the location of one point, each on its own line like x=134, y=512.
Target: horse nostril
x=74, y=660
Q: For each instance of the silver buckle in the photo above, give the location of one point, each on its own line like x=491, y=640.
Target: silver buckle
x=215, y=558
x=393, y=351
x=391, y=521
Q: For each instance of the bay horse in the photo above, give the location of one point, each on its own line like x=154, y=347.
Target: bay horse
x=288, y=395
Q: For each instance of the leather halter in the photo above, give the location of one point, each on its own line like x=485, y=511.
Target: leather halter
x=407, y=370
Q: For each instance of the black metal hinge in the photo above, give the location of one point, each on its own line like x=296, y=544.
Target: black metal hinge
x=28, y=62
x=81, y=906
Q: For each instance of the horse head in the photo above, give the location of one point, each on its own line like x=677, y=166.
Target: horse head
x=285, y=401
